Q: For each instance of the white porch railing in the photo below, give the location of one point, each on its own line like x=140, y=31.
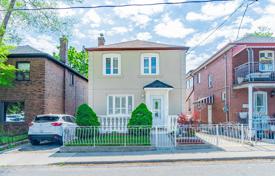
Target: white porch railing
x=117, y=123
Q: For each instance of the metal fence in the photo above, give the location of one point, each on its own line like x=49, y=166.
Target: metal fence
x=157, y=136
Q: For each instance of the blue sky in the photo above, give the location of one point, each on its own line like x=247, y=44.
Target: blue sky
x=184, y=24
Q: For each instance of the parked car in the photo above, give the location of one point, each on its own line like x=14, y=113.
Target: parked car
x=49, y=127
x=15, y=118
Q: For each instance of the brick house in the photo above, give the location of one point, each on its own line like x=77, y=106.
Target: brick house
x=43, y=85
x=237, y=84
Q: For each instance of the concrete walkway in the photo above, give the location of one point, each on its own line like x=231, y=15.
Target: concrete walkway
x=44, y=155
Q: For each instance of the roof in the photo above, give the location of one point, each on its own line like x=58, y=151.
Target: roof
x=157, y=84
x=245, y=40
x=27, y=51
x=137, y=45
x=256, y=39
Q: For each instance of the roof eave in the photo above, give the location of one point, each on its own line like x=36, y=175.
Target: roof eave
x=137, y=48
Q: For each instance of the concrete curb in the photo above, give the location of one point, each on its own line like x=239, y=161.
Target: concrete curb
x=164, y=160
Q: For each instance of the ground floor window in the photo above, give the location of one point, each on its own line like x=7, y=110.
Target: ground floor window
x=260, y=103
x=13, y=111
x=119, y=104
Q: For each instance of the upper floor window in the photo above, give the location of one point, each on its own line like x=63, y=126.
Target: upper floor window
x=266, y=61
x=71, y=79
x=111, y=64
x=189, y=83
x=23, y=71
x=210, y=81
x=149, y=64
x=120, y=104
x=198, y=78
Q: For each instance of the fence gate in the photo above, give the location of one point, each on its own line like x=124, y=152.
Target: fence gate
x=163, y=137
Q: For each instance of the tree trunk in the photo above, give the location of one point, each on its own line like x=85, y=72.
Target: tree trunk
x=6, y=20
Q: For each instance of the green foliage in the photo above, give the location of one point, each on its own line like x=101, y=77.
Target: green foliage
x=78, y=60
x=48, y=21
x=262, y=32
x=7, y=71
x=141, y=117
x=85, y=116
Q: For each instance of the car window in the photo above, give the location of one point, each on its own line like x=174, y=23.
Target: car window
x=41, y=119
x=68, y=119
x=73, y=119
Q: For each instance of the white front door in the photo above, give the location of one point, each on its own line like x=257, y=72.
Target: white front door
x=157, y=110
x=260, y=103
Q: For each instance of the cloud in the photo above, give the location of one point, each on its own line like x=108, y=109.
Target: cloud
x=144, y=36
x=139, y=15
x=91, y=17
x=117, y=30
x=212, y=11
x=172, y=28
x=65, y=13
x=43, y=42
x=194, y=60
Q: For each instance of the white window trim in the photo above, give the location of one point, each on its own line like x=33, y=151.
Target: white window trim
x=266, y=101
x=210, y=77
x=112, y=56
x=267, y=51
x=199, y=78
x=119, y=95
x=150, y=55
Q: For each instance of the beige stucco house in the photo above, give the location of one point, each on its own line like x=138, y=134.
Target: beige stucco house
x=123, y=75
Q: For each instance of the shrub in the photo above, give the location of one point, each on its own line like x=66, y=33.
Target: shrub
x=85, y=116
x=141, y=117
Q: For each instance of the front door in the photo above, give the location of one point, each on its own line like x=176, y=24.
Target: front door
x=260, y=103
x=157, y=110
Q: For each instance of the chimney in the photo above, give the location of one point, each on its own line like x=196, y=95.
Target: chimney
x=63, y=50
x=101, y=40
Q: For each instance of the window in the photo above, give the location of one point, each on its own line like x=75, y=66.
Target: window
x=23, y=73
x=223, y=96
x=260, y=103
x=111, y=64
x=149, y=64
x=266, y=61
x=71, y=79
x=210, y=81
x=189, y=83
x=119, y=104
x=199, y=78
x=12, y=111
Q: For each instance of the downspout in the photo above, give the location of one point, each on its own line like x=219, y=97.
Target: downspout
x=225, y=86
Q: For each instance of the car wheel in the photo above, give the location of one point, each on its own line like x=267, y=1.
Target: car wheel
x=35, y=142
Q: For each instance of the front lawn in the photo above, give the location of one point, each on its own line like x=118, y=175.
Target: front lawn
x=112, y=140
x=11, y=139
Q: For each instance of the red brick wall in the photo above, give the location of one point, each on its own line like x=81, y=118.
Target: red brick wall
x=31, y=92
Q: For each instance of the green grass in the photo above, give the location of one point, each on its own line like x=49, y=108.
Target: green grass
x=12, y=139
x=112, y=140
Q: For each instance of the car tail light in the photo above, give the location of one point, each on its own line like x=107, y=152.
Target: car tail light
x=56, y=124
x=30, y=124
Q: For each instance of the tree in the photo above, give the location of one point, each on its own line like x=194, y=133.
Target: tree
x=38, y=20
x=262, y=32
x=141, y=116
x=19, y=21
x=6, y=70
x=78, y=60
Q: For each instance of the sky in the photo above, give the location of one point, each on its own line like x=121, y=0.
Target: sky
x=185, y=24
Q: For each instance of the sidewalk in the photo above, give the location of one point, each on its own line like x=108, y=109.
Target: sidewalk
x=52, y=156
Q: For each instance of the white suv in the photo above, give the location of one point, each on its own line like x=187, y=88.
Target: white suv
x=49, y=127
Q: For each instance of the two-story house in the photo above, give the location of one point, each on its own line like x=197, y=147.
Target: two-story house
x=43, y=85
x=123, y=75
x=237, y=84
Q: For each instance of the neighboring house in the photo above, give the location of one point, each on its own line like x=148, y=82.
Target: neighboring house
x=237, y=84
x=43, y=85
x=123, y=75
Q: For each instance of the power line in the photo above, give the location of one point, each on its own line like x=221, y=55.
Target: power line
x=216, y=29
x=241, y=22
x=117, y=6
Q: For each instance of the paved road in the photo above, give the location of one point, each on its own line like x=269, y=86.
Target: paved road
x=225, y=168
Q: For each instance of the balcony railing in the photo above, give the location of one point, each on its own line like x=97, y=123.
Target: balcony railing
x=250, y=72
